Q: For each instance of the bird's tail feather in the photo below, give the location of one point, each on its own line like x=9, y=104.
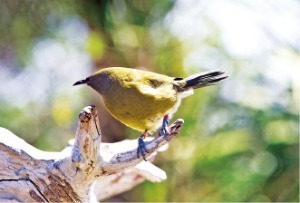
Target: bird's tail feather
x=204, y=79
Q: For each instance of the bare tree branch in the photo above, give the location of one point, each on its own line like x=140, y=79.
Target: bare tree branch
x=86, y=170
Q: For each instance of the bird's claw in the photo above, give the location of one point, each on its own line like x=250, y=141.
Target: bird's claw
x=164, y=130
x=142, y=150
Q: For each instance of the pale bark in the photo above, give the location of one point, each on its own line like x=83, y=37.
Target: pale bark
x=86, y=170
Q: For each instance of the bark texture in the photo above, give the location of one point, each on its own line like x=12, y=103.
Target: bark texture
x=85, y=171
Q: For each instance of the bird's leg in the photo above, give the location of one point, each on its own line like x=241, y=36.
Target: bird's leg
x=164, y=130
x=142, y=145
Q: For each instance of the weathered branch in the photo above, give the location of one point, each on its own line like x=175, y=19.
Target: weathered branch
x=86, y=170
x=129, y=158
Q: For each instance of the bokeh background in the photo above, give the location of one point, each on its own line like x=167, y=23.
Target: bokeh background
x=240, y=141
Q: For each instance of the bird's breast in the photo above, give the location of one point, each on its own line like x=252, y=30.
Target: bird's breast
x=140, y=106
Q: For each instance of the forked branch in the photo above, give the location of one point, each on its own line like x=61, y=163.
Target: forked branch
x=29, y=174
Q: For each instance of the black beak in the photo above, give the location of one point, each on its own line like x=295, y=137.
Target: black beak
x=80, y=82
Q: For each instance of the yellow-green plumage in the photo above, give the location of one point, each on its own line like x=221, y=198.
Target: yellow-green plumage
x=140, y=99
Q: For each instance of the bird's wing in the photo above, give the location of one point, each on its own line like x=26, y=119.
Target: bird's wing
x=157, y=90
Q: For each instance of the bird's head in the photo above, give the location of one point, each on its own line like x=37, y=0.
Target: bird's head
x=99, y=82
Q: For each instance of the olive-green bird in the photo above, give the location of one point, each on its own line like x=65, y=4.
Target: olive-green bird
x=144, y=100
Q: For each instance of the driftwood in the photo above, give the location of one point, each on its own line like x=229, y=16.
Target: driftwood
x=86, y=170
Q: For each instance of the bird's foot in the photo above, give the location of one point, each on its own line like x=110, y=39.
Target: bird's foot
x=164, y=130
x=142, y=150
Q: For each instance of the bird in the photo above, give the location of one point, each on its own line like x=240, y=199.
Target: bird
x=145, y=100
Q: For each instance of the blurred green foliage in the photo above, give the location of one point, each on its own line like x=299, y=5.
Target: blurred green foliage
x=240, y=140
